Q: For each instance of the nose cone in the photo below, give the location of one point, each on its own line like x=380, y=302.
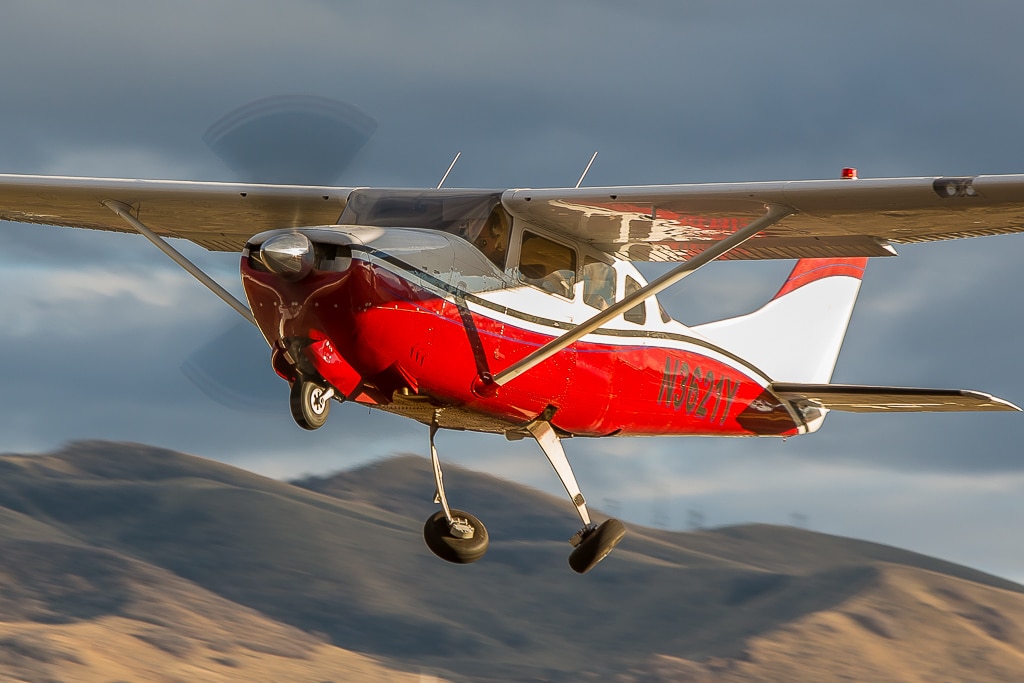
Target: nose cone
x=288, y=256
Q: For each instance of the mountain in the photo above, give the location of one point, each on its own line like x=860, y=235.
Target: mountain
x=127, y=562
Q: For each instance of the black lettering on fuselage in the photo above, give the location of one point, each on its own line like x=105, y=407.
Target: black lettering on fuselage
x=696, y=391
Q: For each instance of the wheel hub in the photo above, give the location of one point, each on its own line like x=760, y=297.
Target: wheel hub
x=318, y=400
x=461, y=528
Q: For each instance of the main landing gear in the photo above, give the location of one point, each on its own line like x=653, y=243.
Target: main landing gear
x=461, y=538
x=594, y=541
x=452, y=535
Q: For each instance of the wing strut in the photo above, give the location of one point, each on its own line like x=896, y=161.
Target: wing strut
x=775, y=213
x=124, y=211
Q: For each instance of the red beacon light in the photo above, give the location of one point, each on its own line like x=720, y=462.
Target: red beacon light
x=848, y=174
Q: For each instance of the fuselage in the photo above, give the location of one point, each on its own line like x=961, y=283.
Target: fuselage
x=409, y=320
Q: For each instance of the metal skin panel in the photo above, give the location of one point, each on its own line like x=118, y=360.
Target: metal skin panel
x=377, y=320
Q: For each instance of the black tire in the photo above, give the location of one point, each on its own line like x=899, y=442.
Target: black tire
x=596, y=545
x=308, y=409
x=449, y=548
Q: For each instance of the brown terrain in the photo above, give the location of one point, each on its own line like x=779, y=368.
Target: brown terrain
x=122, y=562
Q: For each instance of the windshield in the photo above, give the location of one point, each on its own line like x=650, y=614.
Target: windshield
x=459, y=212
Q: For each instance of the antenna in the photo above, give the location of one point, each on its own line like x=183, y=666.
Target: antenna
x=445, y=176
x=591, y=163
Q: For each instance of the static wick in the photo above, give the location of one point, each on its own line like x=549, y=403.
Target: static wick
x=450, y=167
x=586, y=170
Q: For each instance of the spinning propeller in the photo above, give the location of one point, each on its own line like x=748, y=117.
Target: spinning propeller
x=295, y=139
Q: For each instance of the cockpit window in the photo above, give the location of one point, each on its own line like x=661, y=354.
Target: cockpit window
x=493, y=238
x=598, y=283
x=459, y=212
x=548, y=265
x=637, y=314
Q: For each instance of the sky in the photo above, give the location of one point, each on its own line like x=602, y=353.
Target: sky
x=96, y=328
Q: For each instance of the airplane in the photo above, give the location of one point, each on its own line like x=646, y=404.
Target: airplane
x=520, y=312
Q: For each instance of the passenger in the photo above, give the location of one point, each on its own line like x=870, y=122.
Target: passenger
x=493, y=238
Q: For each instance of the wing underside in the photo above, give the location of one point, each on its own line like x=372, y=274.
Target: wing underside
x=880, y=399
x=830, y=219
x=217, y=216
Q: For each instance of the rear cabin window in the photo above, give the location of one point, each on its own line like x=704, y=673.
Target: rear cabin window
x=548, y=265
x=637, y=314
x=598, y=283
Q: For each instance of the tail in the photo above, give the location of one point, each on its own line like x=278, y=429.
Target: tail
x=797, y=335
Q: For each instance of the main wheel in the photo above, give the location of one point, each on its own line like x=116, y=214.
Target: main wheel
x=309, y=403
x=438, y=535
x=596, y=545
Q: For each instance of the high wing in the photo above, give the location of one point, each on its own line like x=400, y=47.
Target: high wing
x=217, y=216
x=830, y=218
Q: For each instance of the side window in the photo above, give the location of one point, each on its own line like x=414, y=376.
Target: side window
x=493, y=238
x=665, y=317
x=598, y=283
x=548, y=265
x=637, y=314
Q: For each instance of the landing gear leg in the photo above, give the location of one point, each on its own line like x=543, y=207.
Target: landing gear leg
x=452, y=535
x=593, y=542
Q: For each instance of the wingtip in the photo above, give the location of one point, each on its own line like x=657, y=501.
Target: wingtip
x=996, y=402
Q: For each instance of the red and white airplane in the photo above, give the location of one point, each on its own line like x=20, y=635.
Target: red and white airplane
x=519, y=312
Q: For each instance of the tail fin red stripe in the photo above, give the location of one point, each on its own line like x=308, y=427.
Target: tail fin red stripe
x=810, y=270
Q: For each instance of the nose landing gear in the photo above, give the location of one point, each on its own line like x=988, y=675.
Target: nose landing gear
x=310, y=403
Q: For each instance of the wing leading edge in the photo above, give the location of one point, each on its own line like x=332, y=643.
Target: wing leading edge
x=878, y=399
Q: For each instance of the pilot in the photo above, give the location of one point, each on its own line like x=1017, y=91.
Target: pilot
x=493, y=238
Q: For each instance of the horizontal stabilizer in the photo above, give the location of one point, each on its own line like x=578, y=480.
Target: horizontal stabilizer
x=871, y=399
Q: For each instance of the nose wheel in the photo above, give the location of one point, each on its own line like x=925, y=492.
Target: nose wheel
x=310, y=403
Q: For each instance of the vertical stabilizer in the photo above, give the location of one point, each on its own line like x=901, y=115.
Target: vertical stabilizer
x=797, y=335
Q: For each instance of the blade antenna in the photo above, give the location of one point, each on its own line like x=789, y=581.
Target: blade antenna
x=450, y=167
x=586, y=170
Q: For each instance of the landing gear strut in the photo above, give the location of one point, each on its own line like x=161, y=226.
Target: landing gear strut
x=452, y=535
x=461, y=538
x=310, y=403
x=593, y=542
